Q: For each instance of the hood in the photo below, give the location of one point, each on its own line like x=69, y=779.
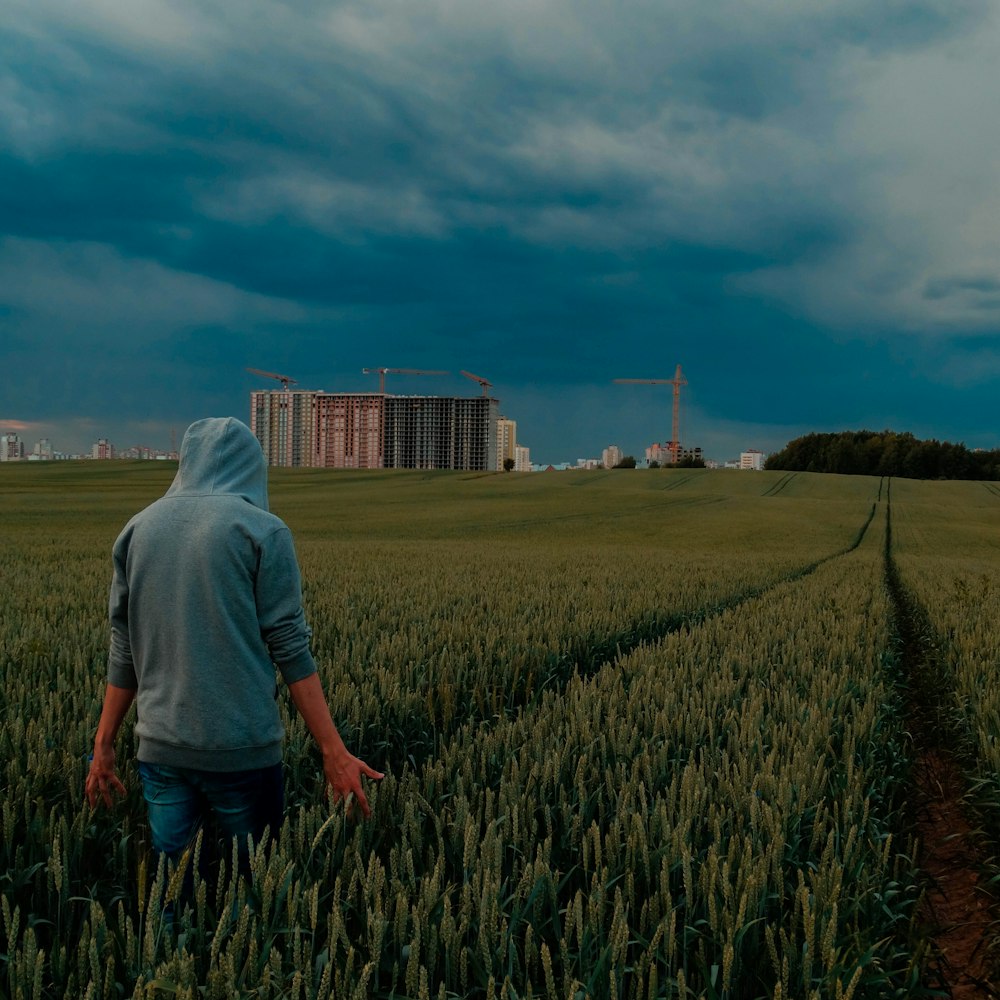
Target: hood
x=221, y=455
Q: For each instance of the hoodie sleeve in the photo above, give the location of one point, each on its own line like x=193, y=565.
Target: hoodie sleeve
x=121, y=669
x=278, y=595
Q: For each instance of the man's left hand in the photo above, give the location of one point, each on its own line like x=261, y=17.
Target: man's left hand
x=102, y=779
x=344, y=778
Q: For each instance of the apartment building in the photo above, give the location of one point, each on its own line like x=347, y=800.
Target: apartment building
x=375, y=430
x=11, y=448
x=611, y=456
x=349, y=430
x=506, y=441
x=440, y=432
x=103, y=449
x=285, y=424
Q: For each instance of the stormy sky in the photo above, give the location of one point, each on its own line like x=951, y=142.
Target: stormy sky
x=796, y=201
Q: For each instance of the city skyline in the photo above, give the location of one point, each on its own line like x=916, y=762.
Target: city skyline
x=84, y=450
x=14, y=447
x=797, y=203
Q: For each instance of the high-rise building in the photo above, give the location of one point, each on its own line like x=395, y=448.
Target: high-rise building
x=102, y=449
x=375, y=430
x=11, y=448
x=349, y=430
x=440, y=432
x=752, y=459
x=611, y=456
x=284, y=421
x=506, y=441
x=522, y=459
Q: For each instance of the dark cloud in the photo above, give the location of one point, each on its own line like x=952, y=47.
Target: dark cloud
x=942, y=288
x=548, y=194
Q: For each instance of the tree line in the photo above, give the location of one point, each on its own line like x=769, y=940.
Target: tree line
x=885, y=453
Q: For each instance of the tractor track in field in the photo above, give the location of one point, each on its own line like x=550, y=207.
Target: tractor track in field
x=606, y=651
x=625, y=642
x=957, y=910
x=774, y=490
x=677, y=483
x=600, y=651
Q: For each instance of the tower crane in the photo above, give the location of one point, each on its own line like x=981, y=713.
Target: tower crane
x=285, y=380
x=677, y=381
x=485, y=383
x=382, y=372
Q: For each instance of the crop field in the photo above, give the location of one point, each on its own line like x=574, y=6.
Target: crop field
x=946, y=541
x=644, y=733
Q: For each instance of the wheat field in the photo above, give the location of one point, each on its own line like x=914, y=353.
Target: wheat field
x=644, y=735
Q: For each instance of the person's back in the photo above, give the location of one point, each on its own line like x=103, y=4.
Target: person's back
x=206, y=590
x=205, y=603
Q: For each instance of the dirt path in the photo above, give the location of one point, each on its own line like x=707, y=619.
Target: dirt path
x=957, y=909
x=956, y=906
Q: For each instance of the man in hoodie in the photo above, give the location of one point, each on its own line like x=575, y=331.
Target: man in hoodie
x=205, y=602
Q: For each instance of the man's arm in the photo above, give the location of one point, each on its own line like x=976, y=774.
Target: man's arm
x=102, y=777
x=343, y=771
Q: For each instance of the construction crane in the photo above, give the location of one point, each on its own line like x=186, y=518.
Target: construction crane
x=285, y=380
x=677, y=381
x=382, y=372
x=485, y=383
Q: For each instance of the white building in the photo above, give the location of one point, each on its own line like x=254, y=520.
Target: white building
x=11, y=448
x=102, y=448
x=752, y=459
x=611, y=456
x=522, y=459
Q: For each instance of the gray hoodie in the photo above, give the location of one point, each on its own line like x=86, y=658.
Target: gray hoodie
x=205, y=601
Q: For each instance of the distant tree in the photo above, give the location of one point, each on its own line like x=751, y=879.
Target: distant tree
x=690, y=462
x=885, y=453
x=628, y=462
x=654, y=464
x=508, y=464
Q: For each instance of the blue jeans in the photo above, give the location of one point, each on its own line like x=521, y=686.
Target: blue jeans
x=180, y=799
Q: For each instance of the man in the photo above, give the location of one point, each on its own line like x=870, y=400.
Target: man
x=205, y=602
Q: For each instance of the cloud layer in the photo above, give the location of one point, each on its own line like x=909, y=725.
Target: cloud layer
x=781, y=196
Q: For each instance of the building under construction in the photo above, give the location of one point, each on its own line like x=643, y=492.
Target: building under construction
x=672, y=452
x=375, y=430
